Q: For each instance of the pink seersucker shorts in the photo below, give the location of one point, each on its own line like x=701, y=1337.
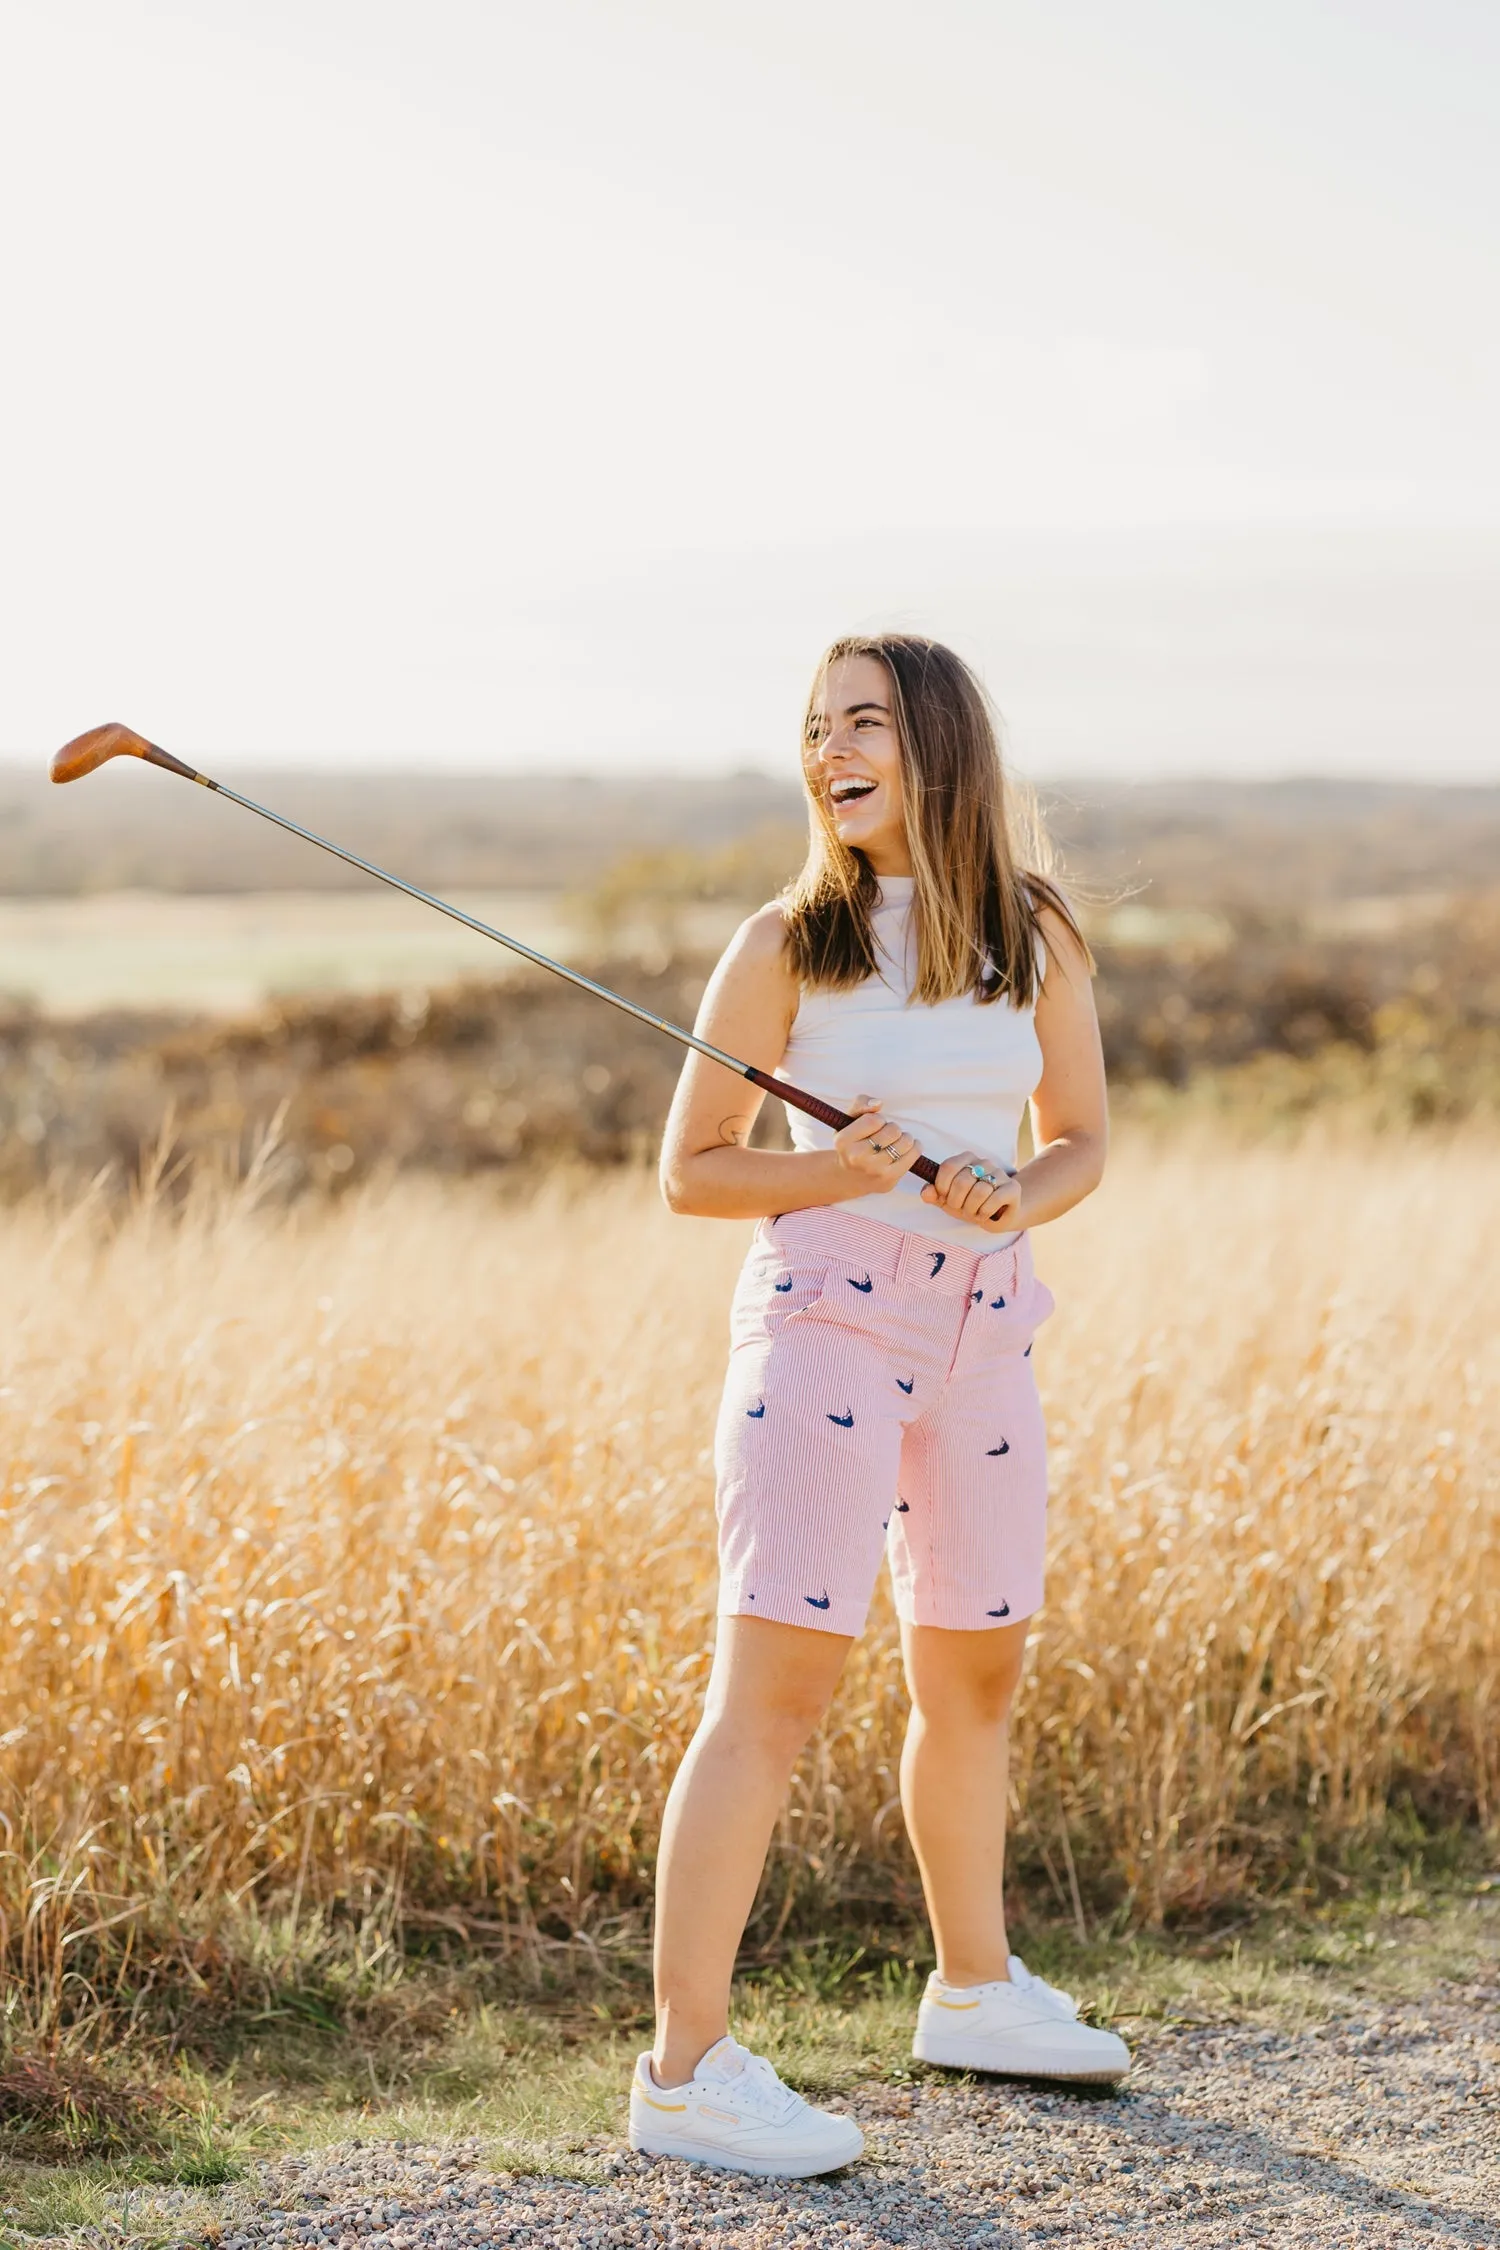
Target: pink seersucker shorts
x=880, y=1396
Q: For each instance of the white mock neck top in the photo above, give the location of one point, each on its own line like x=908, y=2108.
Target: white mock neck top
x=956, y=1075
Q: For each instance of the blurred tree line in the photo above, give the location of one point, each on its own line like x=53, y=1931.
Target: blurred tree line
x=1394, y=1028
x=655, y=891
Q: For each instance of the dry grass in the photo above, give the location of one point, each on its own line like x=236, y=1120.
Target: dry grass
x=358, y=1560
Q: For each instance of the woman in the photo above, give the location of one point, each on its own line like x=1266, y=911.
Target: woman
x=880, y=1395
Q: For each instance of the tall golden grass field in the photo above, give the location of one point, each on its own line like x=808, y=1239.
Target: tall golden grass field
x=358, y=1559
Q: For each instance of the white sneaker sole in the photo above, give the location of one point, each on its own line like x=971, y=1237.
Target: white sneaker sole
x=725, y=2160
x=984, y=2055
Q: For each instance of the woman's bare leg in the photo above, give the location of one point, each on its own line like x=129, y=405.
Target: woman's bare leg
x=769, y=1687
x=955, y=1774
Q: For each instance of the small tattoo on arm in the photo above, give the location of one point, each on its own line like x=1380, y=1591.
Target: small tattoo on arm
x=734, y=1132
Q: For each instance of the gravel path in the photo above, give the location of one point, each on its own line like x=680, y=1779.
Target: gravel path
x=1378, y=2128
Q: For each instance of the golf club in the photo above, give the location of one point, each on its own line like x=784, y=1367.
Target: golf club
x=88, y=751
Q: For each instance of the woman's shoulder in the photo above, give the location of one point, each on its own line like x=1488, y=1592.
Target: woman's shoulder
x=1059, y=939
x=758, y=949
x=761, y=937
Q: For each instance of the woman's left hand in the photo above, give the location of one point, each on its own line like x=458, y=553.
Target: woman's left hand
x=993, y=1200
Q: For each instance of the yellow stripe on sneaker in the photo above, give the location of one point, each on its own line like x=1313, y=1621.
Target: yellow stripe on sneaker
x=957, y=2006
x=646, y=2098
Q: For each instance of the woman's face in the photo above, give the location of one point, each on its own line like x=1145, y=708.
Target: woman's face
x=854, y=761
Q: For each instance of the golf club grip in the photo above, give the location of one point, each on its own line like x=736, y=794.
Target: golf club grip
x=826, y=1114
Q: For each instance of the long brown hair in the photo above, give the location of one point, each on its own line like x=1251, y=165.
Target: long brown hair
x=979, y=852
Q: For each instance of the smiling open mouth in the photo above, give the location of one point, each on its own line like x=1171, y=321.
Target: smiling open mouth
x=848, y=792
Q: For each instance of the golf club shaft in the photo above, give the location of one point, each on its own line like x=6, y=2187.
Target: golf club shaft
x=924, y=1167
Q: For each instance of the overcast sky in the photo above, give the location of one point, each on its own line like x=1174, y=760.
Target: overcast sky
x=478, y=383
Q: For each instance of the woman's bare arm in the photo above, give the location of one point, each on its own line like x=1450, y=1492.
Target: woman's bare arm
x=706, y=1165
x=1069, y=1110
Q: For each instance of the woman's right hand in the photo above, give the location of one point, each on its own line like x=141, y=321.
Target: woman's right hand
x=874, y=1153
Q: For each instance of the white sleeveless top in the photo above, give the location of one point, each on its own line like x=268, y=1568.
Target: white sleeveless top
x=955, y=1075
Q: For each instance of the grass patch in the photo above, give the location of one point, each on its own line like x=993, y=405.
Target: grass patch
x=537, y=2080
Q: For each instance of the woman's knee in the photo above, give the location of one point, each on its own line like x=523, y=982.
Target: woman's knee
x=773, y=1686
x=963, y=1679
x=769, y=1726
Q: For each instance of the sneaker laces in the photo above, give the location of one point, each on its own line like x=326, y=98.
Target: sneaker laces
x=755, y=2085
x=1061, y=2003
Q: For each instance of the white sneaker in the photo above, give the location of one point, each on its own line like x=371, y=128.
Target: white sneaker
x=734, y=2111
x=1025, y=2029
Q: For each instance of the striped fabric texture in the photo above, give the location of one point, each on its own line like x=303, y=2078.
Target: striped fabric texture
x=880, y=1399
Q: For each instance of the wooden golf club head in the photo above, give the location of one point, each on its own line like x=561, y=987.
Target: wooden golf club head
x=100, y=744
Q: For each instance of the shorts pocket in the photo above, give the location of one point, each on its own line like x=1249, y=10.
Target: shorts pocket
x=772, y=1288
x=1007, y=1324
x=853, y=1297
